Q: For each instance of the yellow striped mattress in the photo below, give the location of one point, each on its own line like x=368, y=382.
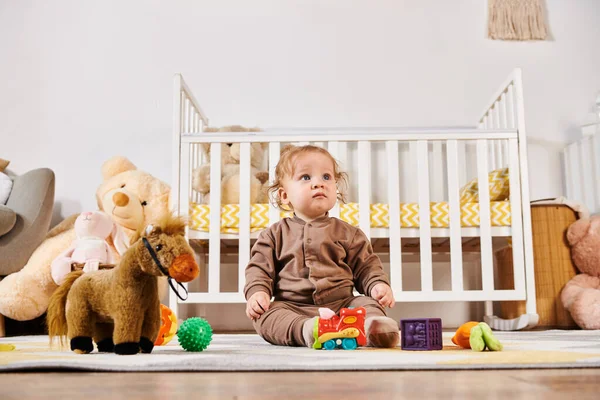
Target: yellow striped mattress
x=409, y=215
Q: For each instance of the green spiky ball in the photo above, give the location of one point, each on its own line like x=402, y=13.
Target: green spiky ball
x=195, y=334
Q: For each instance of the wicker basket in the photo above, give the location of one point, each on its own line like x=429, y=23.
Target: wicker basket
x=552, y=264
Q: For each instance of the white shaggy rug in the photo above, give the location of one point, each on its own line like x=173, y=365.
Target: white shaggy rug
x=543, y=349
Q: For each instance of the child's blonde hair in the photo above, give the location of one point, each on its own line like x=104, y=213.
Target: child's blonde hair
x=285, y=168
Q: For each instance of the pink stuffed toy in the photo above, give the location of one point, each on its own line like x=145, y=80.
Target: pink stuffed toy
x=581, y=295
x=92, y=229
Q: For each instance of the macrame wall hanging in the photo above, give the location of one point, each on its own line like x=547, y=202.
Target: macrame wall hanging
x=516, y=20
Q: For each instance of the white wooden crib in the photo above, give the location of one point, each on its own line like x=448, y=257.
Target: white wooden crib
x=391, y=169
x=581, y=161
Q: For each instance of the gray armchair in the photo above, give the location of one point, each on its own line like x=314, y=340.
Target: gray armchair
x=25, y=220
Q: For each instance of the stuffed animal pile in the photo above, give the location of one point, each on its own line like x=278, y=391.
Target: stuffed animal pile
x=230, y=170
x=133, y=198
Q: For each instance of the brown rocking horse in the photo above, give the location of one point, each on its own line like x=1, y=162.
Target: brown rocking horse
x=120, y=308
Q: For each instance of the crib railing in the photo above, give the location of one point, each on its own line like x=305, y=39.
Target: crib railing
x=499, y=141
x=581, y=160
x=187, y=117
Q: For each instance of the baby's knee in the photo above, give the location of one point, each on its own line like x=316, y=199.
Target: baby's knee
x=283, y=329
x=259, y=326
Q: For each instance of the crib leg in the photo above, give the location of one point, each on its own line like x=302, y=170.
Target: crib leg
x=524, y=321
x=489, y=308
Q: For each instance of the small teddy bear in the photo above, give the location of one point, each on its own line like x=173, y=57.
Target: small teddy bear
x=230, y=170
x=581, y=295
x=90, y=248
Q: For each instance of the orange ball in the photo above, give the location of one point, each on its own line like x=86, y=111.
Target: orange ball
x=168, y=327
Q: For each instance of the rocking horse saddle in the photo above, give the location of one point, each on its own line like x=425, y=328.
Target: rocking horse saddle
x=79, y=266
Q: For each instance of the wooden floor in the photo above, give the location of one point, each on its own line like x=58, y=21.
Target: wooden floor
x=500, y=384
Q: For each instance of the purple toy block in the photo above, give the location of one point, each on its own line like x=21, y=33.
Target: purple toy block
x=421, y=334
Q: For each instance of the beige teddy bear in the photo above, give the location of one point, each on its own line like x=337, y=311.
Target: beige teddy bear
x=230, y=170
x=133, y=198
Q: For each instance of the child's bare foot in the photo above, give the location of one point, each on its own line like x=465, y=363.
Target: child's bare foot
x=308, y=332
x=382, y=332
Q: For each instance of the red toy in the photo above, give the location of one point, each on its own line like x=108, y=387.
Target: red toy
x=346, y=331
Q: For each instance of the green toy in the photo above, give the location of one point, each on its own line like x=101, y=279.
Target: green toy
x=195, y=334
x=482, y=337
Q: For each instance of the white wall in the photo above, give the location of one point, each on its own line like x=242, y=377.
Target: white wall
x=81, y=81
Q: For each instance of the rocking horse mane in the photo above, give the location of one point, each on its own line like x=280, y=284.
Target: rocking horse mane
x=168, y=224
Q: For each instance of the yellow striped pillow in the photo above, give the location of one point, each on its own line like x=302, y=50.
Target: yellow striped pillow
x=498, y=185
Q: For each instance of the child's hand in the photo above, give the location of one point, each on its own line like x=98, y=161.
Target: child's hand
x=257, y=304
x=383, y=294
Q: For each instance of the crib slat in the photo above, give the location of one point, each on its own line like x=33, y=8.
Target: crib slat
x=186, y=187
x=569, y=173
x=510, y=104
x=424, y=216
x=516, y=216
x=462, y=169
x=364, y=188
x=573, y=150
x=497, y=114
x=244, y=214
x=334, y=148
x=503, y=125
x=393, y=168
x=437, y=170
x=188, y=114
x=504, y=118
x=186, y=120
x=487, y=270
x=183, y=111
x=274, y=153
x=411, y=179
x=214, y=246
x=497, y=143
x=176, y=192
x=585, y=164
x=193, y=164
x=456, y=262
x=490, y=149
x=343, y=158
x=185, y=191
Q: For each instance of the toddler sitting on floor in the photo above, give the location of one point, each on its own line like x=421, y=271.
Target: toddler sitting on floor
x=312, y=260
